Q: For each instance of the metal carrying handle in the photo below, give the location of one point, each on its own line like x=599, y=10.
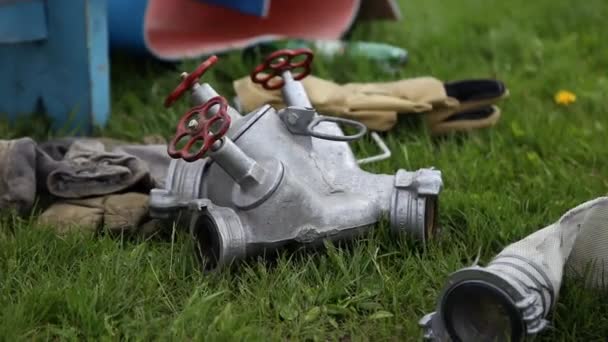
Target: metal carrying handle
x=317, y=120
x=386, y=152
x=200, y=130
x=279, y=62
x=189, y=81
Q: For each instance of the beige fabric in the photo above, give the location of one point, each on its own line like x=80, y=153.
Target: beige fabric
x=374, y=104
x=71, y=216
x=116, y=213
x=125, y=211
x=440, y=114
x=444, y=127
x=423, y=91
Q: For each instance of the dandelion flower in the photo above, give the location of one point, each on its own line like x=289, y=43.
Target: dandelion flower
x=564, y=97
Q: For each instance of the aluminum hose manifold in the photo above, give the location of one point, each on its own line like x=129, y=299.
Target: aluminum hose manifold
x=274, y=178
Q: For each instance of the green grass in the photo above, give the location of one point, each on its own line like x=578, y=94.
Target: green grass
x=500, y=184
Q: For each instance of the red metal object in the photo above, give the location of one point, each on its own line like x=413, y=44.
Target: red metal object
x=280, y=61
x=189, y=81
x=201, y=130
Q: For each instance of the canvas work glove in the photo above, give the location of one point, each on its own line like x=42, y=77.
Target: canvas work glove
x=88, y=170
x=77, y=168
x=117, y=213
x=449, y=107
x=99, y=166
x=17, y=174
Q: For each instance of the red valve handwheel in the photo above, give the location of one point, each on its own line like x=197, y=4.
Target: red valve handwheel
x=277, y=63
x=189, y=81
x=201, y=131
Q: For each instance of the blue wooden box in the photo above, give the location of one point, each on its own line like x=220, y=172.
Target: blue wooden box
x=54, y=59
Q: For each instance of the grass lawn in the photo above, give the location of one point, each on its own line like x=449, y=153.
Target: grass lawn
x=500, y=185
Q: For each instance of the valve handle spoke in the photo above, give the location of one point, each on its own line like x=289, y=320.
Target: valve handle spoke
x=189, y=81
x=200, y=129
x=280, y=61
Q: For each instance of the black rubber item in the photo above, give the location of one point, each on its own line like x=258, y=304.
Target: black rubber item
x=475, y=90
x=476, y=114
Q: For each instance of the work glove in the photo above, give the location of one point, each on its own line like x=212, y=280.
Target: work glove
x=88, y=170
x=84, y=167
x=449, y=107
x=17, y=174
x=115, y=213
x=77, y=168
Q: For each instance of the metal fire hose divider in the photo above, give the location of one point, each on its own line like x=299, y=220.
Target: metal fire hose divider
x=272, y=178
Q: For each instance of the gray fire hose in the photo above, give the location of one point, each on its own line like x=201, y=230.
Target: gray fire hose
x=510, y=298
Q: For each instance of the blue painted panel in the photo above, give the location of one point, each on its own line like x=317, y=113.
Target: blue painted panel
x=254, y=7
x=22, y=21
x=65, y=75
x=99, y=64
x=126, y=25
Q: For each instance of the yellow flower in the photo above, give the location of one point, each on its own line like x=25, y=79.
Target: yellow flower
x=564, y=97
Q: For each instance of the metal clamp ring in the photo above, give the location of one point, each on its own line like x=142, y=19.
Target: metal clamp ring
x=317, y=120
